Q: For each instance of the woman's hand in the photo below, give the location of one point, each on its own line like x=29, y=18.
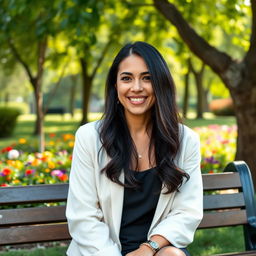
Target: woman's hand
x=143, y=250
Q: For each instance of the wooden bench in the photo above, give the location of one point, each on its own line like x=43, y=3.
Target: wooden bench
x=232, y=204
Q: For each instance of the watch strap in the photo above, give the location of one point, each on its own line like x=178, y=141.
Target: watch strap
x=152, y=245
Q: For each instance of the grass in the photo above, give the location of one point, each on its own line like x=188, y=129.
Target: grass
x=217, y=240
x=207, y=242
x=53, y=251
x=53, y=124
x=59, y=125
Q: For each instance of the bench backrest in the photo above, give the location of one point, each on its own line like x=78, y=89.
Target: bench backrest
x=28, y=225
x=228, y=201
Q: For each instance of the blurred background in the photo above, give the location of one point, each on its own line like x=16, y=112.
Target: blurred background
x=54, y=59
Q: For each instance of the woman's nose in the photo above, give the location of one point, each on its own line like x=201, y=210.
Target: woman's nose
x=137, y=86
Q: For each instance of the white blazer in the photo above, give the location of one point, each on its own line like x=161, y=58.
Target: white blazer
x=94, y=205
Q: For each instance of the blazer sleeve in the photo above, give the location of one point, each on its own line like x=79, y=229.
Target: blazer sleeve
x=85, y=218
x=187, y=208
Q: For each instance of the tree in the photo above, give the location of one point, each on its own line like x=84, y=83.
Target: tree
x=239, y=76
x=25, y=37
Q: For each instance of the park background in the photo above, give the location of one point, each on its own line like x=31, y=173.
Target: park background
x=55, y=55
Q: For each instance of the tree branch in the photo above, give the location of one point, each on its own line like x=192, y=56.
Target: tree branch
x=217, y=60
x=22, y=62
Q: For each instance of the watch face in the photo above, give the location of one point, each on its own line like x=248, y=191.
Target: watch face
x=154, y=245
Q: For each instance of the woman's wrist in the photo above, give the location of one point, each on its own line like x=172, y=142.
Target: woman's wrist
x=147, y=248
x=153, y=245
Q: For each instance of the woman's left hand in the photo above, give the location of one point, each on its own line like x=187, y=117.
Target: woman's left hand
x=143, y=250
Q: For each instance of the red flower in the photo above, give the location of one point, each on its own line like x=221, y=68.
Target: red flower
x=211, y=171
x=63, y=177
x=29, y=172
x=51, y=135
x=4, y=185
x=7, y=149
x=6, y=171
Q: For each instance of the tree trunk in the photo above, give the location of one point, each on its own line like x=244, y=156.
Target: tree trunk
x=200, y=95
x=7, y=98
x=72, y=95
x=186, y=95
x=245, y=106
x=39, y=125
x=86, y=89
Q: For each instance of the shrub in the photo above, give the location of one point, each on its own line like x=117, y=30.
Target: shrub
x=8, y=118
x=222, y=107
x=22, y=106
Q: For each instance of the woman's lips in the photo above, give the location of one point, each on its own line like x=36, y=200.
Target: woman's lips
x=137, y=100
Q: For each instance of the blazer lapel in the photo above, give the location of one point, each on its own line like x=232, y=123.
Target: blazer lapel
x=117, y=197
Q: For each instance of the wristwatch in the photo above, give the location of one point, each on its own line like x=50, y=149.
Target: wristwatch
x=154, y=246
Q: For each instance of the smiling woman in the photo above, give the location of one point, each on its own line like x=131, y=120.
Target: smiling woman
x=135, y=183
x=134, y=88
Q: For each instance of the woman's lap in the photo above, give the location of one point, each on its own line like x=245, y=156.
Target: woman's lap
x=183, y=249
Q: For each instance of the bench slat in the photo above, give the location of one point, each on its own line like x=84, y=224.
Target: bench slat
x=33, y=194
x=32, y=215
x=223, y=201
x=31, y=234
x=223, y=219
x=221, y=181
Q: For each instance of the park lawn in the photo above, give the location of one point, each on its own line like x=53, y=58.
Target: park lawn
x=59, y=125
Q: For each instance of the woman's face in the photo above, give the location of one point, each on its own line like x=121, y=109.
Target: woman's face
x=134, y=86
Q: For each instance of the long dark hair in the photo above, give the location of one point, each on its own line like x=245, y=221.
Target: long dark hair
x=165, y=135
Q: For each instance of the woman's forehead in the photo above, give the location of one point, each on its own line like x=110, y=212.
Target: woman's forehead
x=133, y=64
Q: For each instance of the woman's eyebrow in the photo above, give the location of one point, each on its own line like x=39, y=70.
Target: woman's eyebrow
x=126, y=73
x=129, y=73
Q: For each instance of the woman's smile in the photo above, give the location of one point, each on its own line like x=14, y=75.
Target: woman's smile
x=137, y=100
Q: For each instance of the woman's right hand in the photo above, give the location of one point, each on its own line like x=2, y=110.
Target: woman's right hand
x=143, y=250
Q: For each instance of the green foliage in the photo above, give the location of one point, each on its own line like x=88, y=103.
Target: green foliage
x=8, y=118
x=21, y=106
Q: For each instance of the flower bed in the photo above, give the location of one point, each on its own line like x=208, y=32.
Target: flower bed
x=218, y=146
x=20, y=164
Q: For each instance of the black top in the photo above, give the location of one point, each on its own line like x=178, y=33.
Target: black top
x=138, y=210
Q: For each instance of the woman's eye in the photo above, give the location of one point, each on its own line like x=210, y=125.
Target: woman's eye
x=147, y=78
x=125, y=78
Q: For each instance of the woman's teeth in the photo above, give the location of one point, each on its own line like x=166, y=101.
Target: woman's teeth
x=137, y=100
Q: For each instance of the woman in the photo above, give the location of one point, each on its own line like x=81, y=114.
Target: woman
x=135, y=184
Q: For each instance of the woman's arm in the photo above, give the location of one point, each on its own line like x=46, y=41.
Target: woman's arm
x=85, y=218
x=187, y=208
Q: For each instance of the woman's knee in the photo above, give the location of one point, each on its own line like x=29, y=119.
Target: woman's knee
x=170, y=251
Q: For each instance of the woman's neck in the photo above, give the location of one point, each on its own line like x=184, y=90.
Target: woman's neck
x=138, y=125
